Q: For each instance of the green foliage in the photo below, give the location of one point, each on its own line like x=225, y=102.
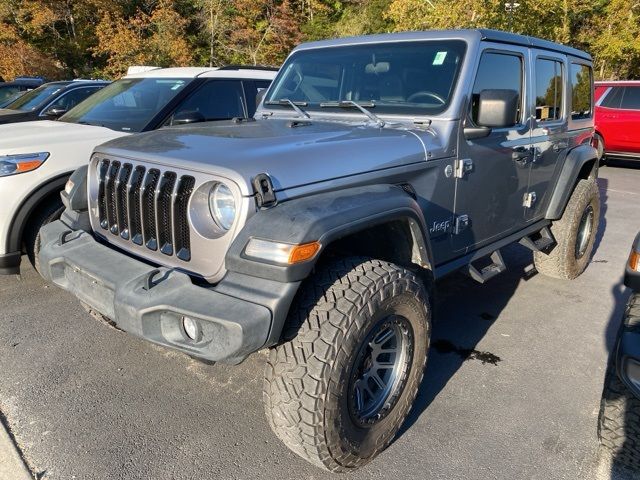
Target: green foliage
x=70, y=38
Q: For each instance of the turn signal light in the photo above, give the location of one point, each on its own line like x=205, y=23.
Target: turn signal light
x=634, y=261
x=302, y=253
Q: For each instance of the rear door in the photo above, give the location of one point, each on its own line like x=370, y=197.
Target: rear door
x=608, y=121
x=628, y=121
x=550, y=129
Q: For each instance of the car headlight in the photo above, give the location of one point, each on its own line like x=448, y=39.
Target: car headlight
x=222, y=206
x=20, y=163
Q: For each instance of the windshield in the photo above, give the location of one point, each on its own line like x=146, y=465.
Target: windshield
x=31, y=100
x=127, y=105
x=399, y=78
x=9, y=91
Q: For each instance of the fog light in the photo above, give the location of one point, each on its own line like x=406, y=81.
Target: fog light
x=190, y=328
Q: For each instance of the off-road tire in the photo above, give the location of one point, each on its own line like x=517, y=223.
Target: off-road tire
x=307, y=376
x=44, y=216
x=100, y=317
x=619, y=422
x=561, y=262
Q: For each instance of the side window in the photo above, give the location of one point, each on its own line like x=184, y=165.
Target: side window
x=631, y=98
x=510, y=77
x=549, y=90
x=613, y=98
x=74, y=97
x=581, y=81
x=215, y=100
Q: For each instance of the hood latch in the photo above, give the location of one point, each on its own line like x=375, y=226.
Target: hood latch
x=263, y=189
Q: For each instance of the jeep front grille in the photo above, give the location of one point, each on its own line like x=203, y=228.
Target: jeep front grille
x=145, y=206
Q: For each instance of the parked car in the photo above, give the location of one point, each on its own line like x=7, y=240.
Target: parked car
x=619, y=422
x=618, y=119
x=49, y=101
x=36, y=158
x=374, y=166
x=8, y=90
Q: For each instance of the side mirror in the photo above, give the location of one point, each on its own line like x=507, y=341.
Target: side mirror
x=260, y=96
x=187, y=117
x=496, y=109
x=55, y=112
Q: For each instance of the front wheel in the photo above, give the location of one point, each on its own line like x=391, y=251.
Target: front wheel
x=575, y=234
x=340, y=387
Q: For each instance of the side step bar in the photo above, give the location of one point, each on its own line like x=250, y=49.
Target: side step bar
x=543, y=243
x=496, y=267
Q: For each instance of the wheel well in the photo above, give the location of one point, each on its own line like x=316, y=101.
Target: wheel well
x=36, y=202
x=587, y=171
x=392, y=241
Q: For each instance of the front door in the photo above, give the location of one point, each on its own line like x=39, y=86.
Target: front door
x=549, y=134
x=490, y=191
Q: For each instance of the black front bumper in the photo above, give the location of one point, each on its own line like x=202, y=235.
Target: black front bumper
x=234, y=318
x=10, y=263
x=628, y=346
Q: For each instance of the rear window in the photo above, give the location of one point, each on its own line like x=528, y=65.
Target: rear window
x=613, y=98
x=581, y=81
x=631, y=98
x=549, y=90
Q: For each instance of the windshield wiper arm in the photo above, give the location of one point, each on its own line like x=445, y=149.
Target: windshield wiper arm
x=350, y=103
x=295, y=105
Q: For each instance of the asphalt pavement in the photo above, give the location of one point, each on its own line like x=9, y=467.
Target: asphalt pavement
x=512, y=388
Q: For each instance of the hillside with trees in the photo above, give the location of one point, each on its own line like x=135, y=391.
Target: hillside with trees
x=101, y=38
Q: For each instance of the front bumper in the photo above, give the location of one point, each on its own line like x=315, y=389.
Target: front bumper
x=151, y=302
x=628, y=346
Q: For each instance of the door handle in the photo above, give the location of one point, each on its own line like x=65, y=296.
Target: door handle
x=522, y=156
x=560, y=146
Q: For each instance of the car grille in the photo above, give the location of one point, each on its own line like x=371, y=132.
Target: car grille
x=145, y=206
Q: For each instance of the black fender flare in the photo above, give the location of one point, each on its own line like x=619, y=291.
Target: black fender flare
x=576, y=159
x=28, y=206
x=326, y=217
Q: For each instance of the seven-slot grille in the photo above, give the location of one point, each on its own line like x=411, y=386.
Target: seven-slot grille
x=145, y=206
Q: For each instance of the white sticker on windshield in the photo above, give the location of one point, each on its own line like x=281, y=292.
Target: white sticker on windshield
x=439, y=59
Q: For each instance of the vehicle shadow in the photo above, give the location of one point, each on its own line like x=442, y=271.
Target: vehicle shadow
x=458, y=326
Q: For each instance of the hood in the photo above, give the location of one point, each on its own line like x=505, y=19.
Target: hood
x=48, y=136
x=292, y=154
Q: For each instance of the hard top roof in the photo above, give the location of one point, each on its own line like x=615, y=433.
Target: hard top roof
x=207, y=72
x=469, y=35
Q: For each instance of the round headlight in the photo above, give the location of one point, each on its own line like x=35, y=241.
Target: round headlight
x=222, y=206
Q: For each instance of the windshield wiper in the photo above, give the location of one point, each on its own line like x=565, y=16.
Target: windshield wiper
x=295, y=105
x=350, y=104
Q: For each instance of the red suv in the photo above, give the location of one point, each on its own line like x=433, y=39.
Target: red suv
x=618, y=119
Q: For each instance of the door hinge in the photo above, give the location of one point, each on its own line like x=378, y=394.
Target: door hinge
x=529, y=199
x=462, y=167
x=461, y=224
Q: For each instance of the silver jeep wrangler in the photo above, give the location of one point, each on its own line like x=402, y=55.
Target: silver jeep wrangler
x=373, y=167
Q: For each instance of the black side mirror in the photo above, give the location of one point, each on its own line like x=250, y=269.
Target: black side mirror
x=260, y=96
x=55, y=112
x=187, y=117
x=496, y=109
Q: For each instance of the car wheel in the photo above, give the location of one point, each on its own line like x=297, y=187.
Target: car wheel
x=340, y=386
x=44, y=216
x=575, y=234
x=619, y=422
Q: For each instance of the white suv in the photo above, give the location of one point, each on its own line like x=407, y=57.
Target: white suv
x=36, y=158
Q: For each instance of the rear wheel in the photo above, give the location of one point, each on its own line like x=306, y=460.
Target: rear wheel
x=575, y=234
x=45, y=215
x=340, y=387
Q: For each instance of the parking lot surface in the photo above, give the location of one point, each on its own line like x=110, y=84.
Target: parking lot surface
x=512, y=388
